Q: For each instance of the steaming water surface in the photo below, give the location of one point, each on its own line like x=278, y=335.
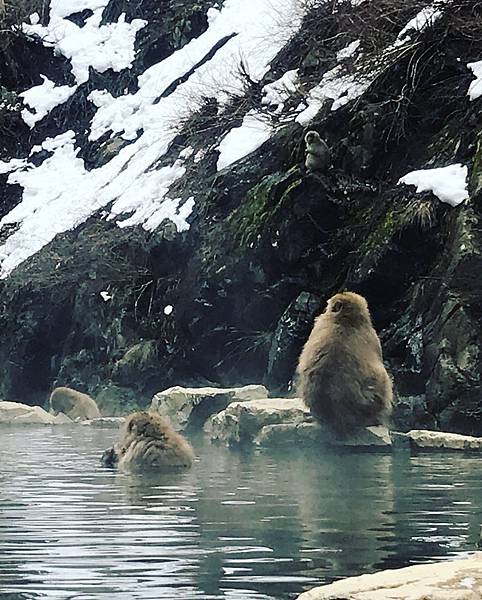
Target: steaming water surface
x=239, y=525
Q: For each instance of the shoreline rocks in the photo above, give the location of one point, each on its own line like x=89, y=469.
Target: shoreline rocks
x=446, y=580
x=188, y=407
x=427, y=440
x=16, y=413
x=241, y=421
x=246, y=415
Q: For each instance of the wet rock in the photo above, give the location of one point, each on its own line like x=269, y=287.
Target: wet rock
x=62, y=419
x=422, y=439
x=191, y=407
x=290, y=334
x=242, y=421
x=105, y=422
x=115, y=400
x=15, y=413
x=410, y=412
x=314, y=434
x=447, y=580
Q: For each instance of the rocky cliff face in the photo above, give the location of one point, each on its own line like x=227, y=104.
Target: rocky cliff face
x=227, y=248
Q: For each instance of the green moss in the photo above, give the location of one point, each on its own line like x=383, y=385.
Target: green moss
x=261, y=205
x=382, y=234
x=140, y=355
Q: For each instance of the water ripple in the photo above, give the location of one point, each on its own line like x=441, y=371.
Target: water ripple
x=239, y=525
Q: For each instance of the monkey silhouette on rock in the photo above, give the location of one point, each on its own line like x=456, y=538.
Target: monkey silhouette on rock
x=341, y=376
x=74, y=404
x=149, y=443
x=318, y=156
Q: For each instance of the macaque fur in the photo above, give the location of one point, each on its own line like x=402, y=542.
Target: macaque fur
x=149, y=443
x=341, y=376
x=74, y=404
x=318, y=156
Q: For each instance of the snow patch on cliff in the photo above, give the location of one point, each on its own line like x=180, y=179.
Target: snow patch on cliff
x=61, y=193
x=475, y=88
x=449, y=183
x=94, y=45
x=243, y=140
x=41, y=99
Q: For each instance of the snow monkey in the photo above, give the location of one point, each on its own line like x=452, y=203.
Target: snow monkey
x=149, y=443
x=341, y=376
x=317, y=152
x=74, y=404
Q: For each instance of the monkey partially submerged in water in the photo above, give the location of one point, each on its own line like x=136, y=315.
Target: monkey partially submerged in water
x=318, y=155
x=149, y=443
x=341, y=376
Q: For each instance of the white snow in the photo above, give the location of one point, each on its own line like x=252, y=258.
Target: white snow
x=344, y=87
x=276, y=93
x=449, y=183
x=41, y=99
x=242, y=140
x=51, y=144
x=94, y=45
x=105, y=296
x=186, y=153
x=12, y=165
x=200, y=154
x=425, y=18
x=348, y=51
x=475, y=88
x=60, y=194
x=340, y=87
x=64, y=8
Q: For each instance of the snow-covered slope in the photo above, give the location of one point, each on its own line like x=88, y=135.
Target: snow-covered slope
x=60, y=193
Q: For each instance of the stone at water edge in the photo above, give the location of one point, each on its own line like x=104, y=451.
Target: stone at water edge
x=376, y=436
x=242, y=421
x=104, y=422
x=424, y=439
x=62, y=419
x=445, y=580
x=16, y=413
x=188, y=406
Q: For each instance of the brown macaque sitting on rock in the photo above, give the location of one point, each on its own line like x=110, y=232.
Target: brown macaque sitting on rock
x=341, y=376
x=74, y=404
x=318, y=155
x=149, y=443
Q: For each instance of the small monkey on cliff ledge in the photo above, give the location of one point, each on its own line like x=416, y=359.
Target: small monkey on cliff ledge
x=318, y=155
x=341, y=376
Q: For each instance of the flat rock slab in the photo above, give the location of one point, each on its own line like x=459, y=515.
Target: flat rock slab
x=242, y=421
x=16, y=413
x=105, y=422
x=423, y=439
x=191, y=407
x=447, y=580
x=375, y=437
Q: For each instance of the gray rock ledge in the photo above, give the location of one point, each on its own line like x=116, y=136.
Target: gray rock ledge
x=104, y=422
x=446, y=580
x=16, y=413
x=192, y=406
x=423, y=439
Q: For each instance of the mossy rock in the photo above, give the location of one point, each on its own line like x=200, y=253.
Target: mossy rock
x=262, y=204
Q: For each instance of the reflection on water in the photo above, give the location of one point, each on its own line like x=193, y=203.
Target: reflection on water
x=239, y=525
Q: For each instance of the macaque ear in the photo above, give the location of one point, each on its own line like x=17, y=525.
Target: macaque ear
x=337, y=306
